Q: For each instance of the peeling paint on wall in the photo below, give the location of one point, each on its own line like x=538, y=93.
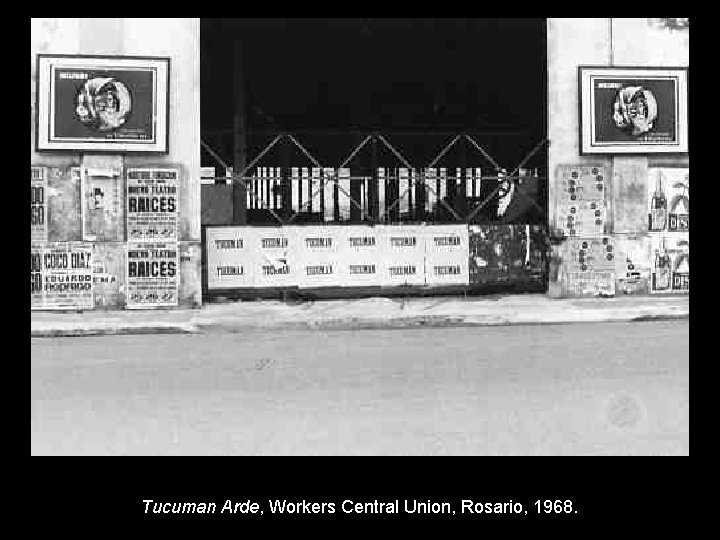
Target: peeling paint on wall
x=64, y=213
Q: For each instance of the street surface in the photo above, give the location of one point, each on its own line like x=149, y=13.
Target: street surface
x=610, y=388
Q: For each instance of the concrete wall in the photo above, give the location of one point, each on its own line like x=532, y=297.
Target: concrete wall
x=177, y=38
x=639, y=42
x=602, y=42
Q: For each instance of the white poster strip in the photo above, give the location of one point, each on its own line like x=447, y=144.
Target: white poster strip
x=403, y=255
x=273, y=265
x=229, y=257
x=152, y=277
x=38, y=205
x=152, y=205
x=317, y=256
x=359, y=255
x=446, y=255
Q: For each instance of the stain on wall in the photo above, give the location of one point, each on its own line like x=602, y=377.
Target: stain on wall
x=109, y=275
x=64, y=211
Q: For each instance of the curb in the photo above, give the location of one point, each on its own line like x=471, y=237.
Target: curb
x=111, y=331
x=432, y=321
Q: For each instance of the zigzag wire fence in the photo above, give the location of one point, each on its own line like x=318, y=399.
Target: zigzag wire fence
x=318, y=190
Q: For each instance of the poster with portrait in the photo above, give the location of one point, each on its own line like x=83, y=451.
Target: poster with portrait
x=102, y=103
x=152, y=205
x=633, y=110
x=101, y=205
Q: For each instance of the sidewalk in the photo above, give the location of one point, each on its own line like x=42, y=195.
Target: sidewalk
x=363, y=313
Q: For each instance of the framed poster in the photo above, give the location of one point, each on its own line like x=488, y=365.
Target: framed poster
x=627, y=110
x=102, y=103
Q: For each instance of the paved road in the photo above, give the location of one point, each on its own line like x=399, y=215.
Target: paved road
x=613, y=388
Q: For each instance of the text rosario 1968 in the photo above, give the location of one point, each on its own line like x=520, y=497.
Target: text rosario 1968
x=348, y=506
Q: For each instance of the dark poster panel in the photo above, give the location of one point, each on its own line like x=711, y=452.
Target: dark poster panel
x=656, y=97
x=506, y=254
x=104, y=104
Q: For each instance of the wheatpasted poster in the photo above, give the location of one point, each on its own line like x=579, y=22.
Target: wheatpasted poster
x=152, y=205
x=152, y=275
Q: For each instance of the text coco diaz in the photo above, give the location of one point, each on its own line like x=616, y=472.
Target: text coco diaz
x=409, y=506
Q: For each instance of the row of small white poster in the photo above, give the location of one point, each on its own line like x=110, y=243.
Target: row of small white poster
x=336, y=256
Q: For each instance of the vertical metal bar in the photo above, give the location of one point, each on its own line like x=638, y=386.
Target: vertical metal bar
x=239, y=132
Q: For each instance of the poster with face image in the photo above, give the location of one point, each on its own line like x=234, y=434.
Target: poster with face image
x=102, y=103
x=633, y=110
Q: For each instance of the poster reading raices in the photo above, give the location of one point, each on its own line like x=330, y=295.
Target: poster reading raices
x=101, y=205
x=670, y=261
x=230, y=257
x=152, y=277
x=446, y=255
x=152, y=205
x=61, y=276
x=403, y=255
x=668, y=199
x=316, y=252
x=272, y=263
x=38, y=205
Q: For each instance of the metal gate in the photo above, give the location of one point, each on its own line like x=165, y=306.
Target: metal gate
x=419, y=191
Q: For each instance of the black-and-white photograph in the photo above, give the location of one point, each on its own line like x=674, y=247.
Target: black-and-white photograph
x=360, y=237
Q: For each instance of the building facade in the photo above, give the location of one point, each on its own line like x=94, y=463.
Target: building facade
x=619, y=218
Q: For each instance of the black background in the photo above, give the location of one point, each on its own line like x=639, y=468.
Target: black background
x=416, y=75
x=665, y=95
